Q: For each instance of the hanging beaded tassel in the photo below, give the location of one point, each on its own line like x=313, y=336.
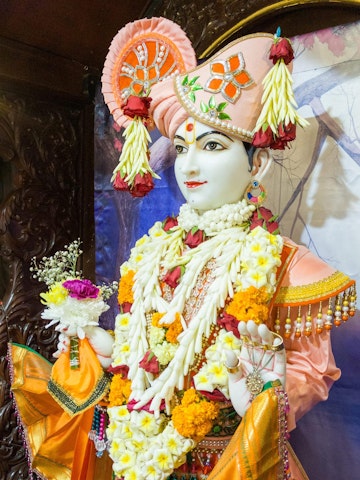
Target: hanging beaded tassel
x=97, y=433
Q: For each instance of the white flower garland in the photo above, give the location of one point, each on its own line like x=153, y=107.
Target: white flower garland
x=144, y=447
x=214, y=221
x=243, y=258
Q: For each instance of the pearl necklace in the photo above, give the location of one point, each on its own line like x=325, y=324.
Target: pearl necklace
x=215, y=221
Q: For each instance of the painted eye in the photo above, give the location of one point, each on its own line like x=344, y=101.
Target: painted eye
x=180, y=149
x=212, y=145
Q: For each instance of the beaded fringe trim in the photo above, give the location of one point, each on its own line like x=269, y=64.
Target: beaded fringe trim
x=306, y=319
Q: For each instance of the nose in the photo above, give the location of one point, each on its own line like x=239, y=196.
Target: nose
x=189, y=164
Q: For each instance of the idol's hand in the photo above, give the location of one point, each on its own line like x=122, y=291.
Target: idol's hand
x=100, y=340
x=262, y=359
x=102, y=343
x=63, y=345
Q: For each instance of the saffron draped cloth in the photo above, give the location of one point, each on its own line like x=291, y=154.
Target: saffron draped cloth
x=55, y=405
x=259, y=450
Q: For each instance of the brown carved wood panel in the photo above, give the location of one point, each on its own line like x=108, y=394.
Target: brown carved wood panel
x=44, y=178
x=211, y=24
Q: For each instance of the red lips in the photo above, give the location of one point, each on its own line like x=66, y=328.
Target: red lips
x=192, y=184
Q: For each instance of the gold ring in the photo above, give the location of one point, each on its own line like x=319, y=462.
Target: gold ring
x=278, y=348
x=234, y=369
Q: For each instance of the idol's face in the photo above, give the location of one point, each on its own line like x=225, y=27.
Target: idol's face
x=211, y=167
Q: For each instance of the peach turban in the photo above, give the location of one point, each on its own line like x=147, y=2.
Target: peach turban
x=150, y=78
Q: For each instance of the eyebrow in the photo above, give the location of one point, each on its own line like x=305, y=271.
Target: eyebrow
x=212, y=132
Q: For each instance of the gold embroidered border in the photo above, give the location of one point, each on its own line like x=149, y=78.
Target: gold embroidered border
x=314, y=292
x=69, y=404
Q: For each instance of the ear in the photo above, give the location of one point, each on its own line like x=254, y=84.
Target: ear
x=262, y=160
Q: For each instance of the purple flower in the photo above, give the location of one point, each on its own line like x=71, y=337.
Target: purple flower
x=81, y=289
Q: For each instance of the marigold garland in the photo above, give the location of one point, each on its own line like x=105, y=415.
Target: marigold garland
x=125, y=293
x=174, y=330
x=155, y=319
x=120, y=391
x=250, y=304
x=195, y=416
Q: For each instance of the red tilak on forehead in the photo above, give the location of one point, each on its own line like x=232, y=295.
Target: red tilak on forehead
x=190, y=131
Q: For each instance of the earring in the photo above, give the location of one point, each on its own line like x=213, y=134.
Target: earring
x=258, y=199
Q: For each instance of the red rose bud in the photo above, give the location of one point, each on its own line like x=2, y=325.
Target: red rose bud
x=142, y=185
x=230, y=323
x=194, y=237
x=281, y=49
x=214, y=396
x=120, y=184
x=263, y=217
x=169, y=223
x=126, y=307
x=137, y=106
x=150, y=363
x=122, y=370
x=287, y=133
x=172, y=278
x=263, y=138
x=278, y=144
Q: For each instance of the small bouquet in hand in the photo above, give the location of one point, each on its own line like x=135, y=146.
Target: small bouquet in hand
x=73, y=303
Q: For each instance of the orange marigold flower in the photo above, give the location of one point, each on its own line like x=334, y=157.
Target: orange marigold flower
x=174, y=330
x=120, y=390
x=190, y=396
x=125, y=293
x=155, y=319
x=251, y=304
x=194, y=417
